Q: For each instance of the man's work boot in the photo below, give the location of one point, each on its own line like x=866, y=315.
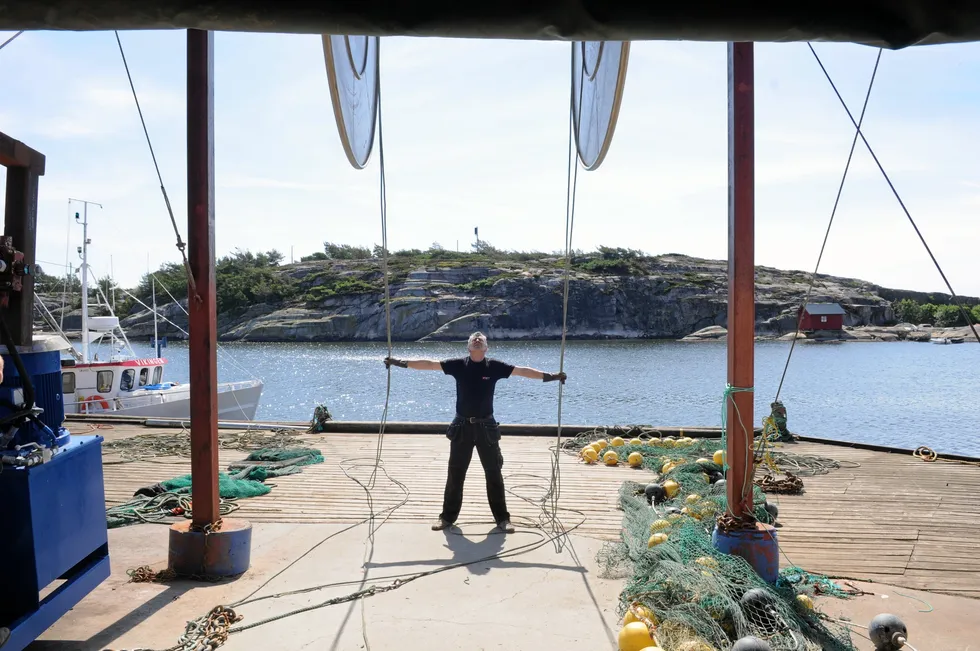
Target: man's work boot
x=441, y=524
x=506, y=526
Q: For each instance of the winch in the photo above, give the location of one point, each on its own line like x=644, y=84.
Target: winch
x=51, y=491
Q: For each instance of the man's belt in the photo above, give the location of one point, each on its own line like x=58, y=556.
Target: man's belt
x=473, y=420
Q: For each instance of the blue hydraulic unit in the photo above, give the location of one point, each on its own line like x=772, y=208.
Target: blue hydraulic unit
x=52, y=499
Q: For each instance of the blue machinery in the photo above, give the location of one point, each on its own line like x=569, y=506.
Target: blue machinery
x=53, y=539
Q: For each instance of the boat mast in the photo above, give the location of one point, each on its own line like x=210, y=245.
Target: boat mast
x=156, y=336
x=84, y=272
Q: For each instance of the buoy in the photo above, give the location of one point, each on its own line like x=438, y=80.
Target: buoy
x=720, y=457
x=655, y=442
x=715, y=477
x=652, y=648
x=694, y=645
x=751, y=643
x=590, y=455
x=600, y=445
x=708, y=562
x=772, y=510
x=610, y=458
x=673, y=510
x=657, y=539
x=635, y=636
x=672, y=488
x=804, y=601
x=674, y=517
x=756, y=599
x=635, y=459
x=702, y=461
x=617, y=442
x=659, y=525
x=667, y=467
x=655, y=493
x=888, y=632
x=669, y=442
x=693, y=498
x=636, y=442
x=720, y=486
x=644, y=612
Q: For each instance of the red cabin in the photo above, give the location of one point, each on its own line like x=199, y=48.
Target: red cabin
x=822, y=316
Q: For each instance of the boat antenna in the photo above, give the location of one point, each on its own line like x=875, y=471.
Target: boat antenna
x=83, y=253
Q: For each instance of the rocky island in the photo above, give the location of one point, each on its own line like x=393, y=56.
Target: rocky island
x=440, y=295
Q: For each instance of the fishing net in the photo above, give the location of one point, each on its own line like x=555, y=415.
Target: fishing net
x=172, y=498
x=160, y=503
x=321, y=416
x=178, y=444
x=272, y=462
x=691, y=596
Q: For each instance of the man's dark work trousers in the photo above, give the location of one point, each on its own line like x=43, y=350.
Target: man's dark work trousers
x=485, y=437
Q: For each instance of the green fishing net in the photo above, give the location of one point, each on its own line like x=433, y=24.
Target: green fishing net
x=701, y=599
x=275, y=462
x=228, y=488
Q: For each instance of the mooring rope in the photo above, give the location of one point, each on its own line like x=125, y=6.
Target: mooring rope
x=10, y=40
x=833, y=213
x=181, y=246
x=953, y=296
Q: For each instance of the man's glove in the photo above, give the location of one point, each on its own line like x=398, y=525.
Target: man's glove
x=391, y=361
x=551, y=377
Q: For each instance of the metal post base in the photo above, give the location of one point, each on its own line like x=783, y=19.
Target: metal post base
x=226, y=552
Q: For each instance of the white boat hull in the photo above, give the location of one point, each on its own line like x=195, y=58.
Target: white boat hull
x=236, y=401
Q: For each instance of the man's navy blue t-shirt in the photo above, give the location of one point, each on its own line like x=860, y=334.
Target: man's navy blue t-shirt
x=475, y=382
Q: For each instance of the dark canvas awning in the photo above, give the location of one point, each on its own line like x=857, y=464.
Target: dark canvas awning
x=888, y=23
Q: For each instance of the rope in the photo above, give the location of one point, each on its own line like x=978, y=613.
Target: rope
x=728, y=396
x=953, y=296
x=181, y=246
x=10, y=40
x=571, y=190
x=833, y=213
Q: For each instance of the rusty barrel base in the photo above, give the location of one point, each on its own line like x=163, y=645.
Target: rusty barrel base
x=226, y=552
x=757, y=546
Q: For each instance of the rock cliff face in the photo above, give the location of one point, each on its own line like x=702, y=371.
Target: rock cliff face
x=667, y=297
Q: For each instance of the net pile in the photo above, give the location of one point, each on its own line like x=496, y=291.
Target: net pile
x=692, y=597
x=160, y=503
x=178, y=444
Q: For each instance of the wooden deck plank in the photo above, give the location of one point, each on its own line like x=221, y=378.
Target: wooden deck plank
x=889, y=518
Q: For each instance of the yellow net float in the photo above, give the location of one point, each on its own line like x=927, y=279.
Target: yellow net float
x=635, y=636
x=635, y=459
x=590, y=455
x=617, y=442
x=720, y=457
x=671, y=487
x=610, y=458
x=657, y=539
x=659, y=525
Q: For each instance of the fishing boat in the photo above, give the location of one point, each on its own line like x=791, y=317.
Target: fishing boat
x=122, y=384
x=947, y=340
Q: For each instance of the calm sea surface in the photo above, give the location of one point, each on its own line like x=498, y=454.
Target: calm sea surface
x=900, y=394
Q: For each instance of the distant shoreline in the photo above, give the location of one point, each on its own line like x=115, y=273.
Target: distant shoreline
x=859, y=334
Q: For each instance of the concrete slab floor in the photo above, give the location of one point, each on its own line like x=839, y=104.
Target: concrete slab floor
x=530, y=599
x=533, y=600
x=950, y=623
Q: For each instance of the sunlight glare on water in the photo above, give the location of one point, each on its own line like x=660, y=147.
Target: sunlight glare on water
x=899, y=394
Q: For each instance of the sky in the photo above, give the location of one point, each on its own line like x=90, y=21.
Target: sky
x=476, y=134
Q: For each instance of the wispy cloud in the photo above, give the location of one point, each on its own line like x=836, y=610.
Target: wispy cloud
x=476, y=134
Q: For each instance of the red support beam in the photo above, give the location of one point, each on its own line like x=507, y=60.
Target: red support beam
x=203, y=321
x=741, y=275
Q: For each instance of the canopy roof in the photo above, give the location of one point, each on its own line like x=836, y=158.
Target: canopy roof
x=887, y=23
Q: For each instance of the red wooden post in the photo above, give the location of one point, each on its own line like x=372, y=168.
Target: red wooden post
x=203, y=339
x=741, y=274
